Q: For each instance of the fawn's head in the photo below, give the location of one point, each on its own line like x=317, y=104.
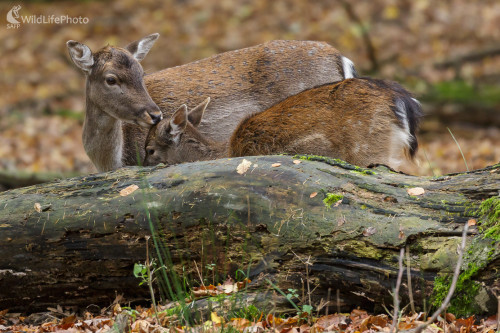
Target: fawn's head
x=115, y=82
x=177, y=140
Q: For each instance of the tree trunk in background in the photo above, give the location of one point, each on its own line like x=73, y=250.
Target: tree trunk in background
x=80, y=243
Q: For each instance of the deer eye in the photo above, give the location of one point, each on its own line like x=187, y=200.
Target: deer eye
x=110, y=80
x=150, y=151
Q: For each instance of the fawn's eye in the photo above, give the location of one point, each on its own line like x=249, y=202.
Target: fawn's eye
x=150, y=151
x=110, y=80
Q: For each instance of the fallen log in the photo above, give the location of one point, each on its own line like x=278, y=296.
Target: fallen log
x=320, y=225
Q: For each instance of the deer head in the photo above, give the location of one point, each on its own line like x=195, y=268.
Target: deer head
x=115, y=82
x=177, y=139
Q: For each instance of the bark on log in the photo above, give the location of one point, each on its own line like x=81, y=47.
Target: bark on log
x=80, y=245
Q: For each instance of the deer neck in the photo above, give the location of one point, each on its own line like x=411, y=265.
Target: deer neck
x=102, y=138
x=216, y=150
x=207, y=149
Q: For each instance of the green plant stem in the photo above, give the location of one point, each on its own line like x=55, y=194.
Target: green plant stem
x=282, y=293
x=429, y=162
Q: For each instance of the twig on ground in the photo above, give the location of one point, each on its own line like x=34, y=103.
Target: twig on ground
x=408, y=274
x=498, y=314
x=306, y=263
x=328, y=300
x=198, y=271
x=396, y=292
x=338, y=300
x=456, y=274
x=150, y=282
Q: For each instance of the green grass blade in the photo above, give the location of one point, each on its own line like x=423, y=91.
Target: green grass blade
x=458, y=145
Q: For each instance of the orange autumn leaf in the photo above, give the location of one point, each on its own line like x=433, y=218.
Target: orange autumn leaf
x=415, y=191
x=128, y=190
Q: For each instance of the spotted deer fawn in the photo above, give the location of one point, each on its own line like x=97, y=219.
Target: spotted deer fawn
x=362, y=121
x=122, y=103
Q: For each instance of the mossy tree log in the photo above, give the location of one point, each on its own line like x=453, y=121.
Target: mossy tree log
x=80, y=245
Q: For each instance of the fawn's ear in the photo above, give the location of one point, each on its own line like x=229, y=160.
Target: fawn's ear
x=141, y=47
x=178, y=122
x=81, y=55
x=162, y=131
x=196, y=114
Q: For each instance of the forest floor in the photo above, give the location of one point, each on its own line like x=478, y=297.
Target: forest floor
x=167, y=319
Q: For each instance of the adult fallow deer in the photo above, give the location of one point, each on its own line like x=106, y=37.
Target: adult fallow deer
x=240, y=83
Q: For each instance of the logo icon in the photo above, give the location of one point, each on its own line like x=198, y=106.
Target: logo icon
x=12, y=17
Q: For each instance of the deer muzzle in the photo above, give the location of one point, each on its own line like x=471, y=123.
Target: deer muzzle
x=150, y=116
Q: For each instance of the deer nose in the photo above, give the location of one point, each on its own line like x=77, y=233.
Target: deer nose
x=156, y=117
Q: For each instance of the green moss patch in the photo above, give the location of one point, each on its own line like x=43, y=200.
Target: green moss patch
x=335, y=162
x=489, y=210
x=332, y=198
x=463, y=302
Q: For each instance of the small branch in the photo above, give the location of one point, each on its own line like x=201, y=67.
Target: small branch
x=408, y=275
x=470, y=57
x=328, y=300
x=456, y=274
x=150, y=282
x=396, y=292
x=498, y=314
x=307, y=277
x=199, y=274
x=370, y=49
x=306, y=263
x=338, y=300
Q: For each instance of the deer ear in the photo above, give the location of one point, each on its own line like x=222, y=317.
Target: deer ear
x=162, y=130
x=141, y=47
x=196, y=114
x=178, y=122
x=81, y=55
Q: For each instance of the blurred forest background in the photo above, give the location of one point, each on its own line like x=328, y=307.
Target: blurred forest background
x=446, y=52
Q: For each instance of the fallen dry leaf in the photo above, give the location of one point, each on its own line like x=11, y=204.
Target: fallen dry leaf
x=275, y=165
x=297, y=161
x=450, y=317
x=401, y=232
x=215, y=318
x=273, y=321
x=415, y=191
x=313, y=195
x=465, y=323
x=240, y=323
x=369, y=231
x=128, y=190
x=243, y=166
x=471, y=222
x=38, y=207
x=331, y=322
x=228, y=287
